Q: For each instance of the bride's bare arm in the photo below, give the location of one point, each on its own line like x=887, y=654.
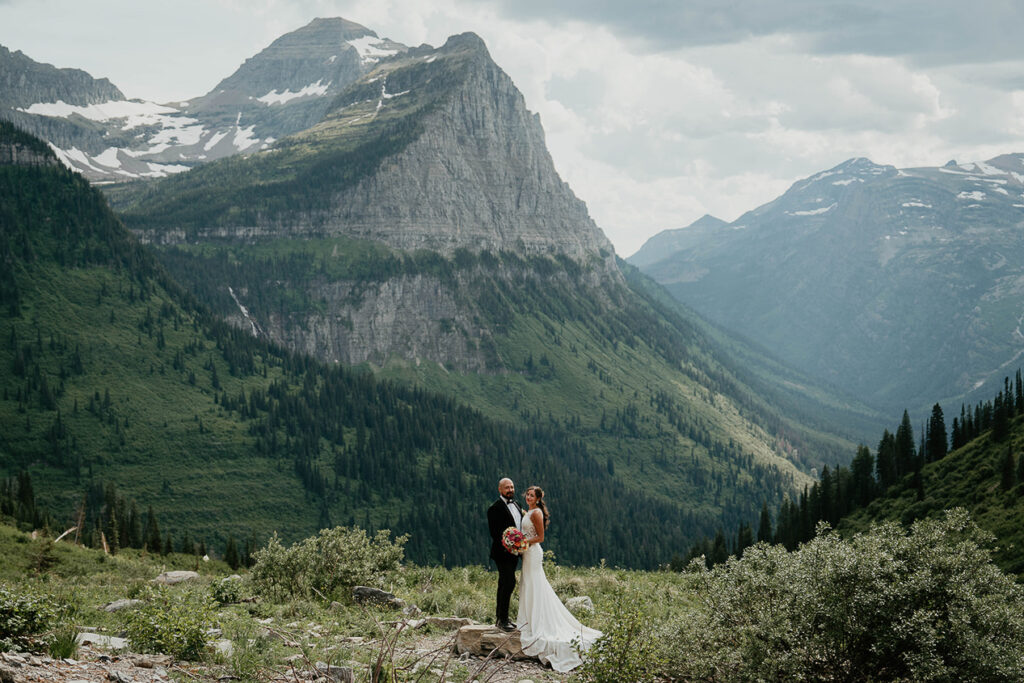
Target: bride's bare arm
x=537, y=517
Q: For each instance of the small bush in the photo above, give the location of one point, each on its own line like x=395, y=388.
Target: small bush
x=628, y=650
x=928, y=605
x=226, y=591
x=336, y=558
x=63, y=642
x=171, y=622
x=24, y=614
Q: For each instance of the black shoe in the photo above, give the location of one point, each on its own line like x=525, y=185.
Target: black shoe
x=507, y=626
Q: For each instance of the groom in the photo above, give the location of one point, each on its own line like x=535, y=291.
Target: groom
x=504, y=513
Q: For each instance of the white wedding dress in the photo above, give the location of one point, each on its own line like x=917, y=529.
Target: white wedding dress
x=547, y=628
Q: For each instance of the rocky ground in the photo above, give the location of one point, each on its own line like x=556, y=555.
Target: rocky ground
x=96, y=663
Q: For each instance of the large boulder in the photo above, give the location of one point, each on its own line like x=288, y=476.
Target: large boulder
x=482, y=639
x=171, y=578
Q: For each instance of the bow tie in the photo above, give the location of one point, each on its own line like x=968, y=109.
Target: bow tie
x=508, y=501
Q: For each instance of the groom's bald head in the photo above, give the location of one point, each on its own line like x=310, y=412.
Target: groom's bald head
x=506, y=487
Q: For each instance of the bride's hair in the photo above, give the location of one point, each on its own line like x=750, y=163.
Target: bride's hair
x=539, y=492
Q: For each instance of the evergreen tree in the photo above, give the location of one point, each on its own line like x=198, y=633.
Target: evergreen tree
x=153, y=542
x=744, y=539
x=937, y=446
x=719, y=551
x=863, y=482
x=885, y=464
x=231, y=553
x=764, y=528
x=1000, y=419
x=906, y=453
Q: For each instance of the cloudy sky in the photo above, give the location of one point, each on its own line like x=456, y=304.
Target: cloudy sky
x=656, y=111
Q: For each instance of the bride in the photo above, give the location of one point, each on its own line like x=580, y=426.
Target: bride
x=547, y=628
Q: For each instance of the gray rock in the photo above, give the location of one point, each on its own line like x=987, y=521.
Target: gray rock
x=580, y=603
x=365, y=595
x=341, y=674
x=175, y=577
x=482, y=639
x=106, y=642
x=224, y=646
x=118, y=605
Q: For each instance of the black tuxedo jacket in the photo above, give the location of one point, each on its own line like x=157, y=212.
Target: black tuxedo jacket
x=500, y=518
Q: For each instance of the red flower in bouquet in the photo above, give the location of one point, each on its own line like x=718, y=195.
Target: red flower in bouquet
x=514, y=541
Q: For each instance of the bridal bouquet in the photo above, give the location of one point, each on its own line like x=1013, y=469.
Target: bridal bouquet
x=514, y=541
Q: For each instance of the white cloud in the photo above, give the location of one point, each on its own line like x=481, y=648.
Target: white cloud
x=650, y=137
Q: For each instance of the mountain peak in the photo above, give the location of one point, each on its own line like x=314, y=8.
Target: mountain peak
x=467, y=41
x=857, y=169
x=325, y=52
x=348, y=30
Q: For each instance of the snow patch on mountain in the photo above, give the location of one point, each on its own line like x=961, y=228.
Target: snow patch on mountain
x=847, y=181
x=275, y=97
x=372, y=49
x=976, y=195
x=136, y=112
x=108, y=157
x=813, y=212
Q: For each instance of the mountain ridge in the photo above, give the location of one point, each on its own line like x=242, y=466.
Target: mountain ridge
x=109, y=138
x=887, y=280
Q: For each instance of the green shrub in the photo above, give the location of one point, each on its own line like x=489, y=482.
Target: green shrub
x=63, y=642
x=170, y=621
x=24, y=613
x=336, y=558
x=227, y=590
x=923, y=605
x=628, y=650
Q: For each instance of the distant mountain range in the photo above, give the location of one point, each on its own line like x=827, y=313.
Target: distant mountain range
x=97, y=131
x=902, y=286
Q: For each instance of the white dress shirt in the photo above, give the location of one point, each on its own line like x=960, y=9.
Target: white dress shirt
x=517, y=514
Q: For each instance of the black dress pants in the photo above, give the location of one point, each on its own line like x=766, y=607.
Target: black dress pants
x=506, y=584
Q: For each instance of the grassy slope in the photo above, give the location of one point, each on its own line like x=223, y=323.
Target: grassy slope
x=969, y=477
x=154, y=444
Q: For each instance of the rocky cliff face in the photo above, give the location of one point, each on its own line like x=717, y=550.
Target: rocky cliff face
x=24, y=81
x=416, y=316
x=479, y=177
x=18, y=148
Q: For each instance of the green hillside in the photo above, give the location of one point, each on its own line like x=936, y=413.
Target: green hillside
x=112, y=374
x=976, y=464
x=647, y=390
x=985, y=476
